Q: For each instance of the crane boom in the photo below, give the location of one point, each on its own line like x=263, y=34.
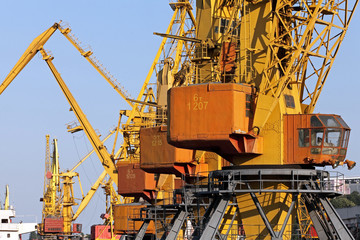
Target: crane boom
x=39, y=42
x=30, y=52
x=99, y=147
x=138, y=106
x=88, y=55
x=91, y=152
x=85, y=201
x=36, y=46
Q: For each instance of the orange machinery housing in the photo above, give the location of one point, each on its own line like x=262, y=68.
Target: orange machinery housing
x=213, y=117
x=315, y=138
x=134, y=182
x=127, y=218
x=53, y=225
x=100, y=232
x=157, y=156
x=76, y=227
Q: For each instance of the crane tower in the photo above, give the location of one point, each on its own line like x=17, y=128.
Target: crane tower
x=248, y=95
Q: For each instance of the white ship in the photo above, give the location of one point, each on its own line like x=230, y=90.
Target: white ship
x=8, y=229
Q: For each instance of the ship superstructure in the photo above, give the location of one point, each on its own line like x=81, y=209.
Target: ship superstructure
x=9, y=229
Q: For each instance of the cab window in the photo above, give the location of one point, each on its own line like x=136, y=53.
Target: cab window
x=317, y=136
x=329, y=121
x=345, y=139
x=303, y=137
x=315, y=122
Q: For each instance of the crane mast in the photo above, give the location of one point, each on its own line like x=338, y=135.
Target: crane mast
x=282, y=50
x=51, y=199
x=7, y=198
x=59, y=199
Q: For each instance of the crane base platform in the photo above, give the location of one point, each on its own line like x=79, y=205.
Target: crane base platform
x=218, y=207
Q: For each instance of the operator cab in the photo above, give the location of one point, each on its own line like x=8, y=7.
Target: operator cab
x=320, y=139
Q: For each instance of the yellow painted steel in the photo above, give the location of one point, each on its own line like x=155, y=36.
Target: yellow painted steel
x=68, y=200
x=275, y=45
x=52, y=204
x=85, y=201
x=134, y=112
x=305, y=223
x=59, y=197
x=94, y=139
x=91, y=152
x=30, y=52
x=286, y=52
x=101, y=151
x=88, y=55
x=7, y=198
x=52, y=194
x=231, y=223
x=275, y=206
x=273, y=55
x=37, y=45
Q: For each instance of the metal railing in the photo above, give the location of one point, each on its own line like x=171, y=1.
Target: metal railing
x=266, y=180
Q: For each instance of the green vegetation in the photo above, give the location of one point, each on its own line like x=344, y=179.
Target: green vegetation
x=346, y=201
x=34, y=236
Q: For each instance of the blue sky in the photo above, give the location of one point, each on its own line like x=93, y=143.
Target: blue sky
x=121, y=36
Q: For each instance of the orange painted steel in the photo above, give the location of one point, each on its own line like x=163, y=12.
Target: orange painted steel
x=125, y=216
x=213, y=117
x=134, y=182
x=157, y=156
x=320, y=139
x=77, y=228
x=53, y=225
x=101, y=232
x=227, y=57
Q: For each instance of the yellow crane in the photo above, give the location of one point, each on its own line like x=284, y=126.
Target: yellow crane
x=171, y=55
x=252, y=83
x=7, y=198
x=137, y=117
x=258, y=71
x=39, y=42
x=61, y=205
x=32, y=50
x=59, y=198
x=50, y=197
x=176, y=55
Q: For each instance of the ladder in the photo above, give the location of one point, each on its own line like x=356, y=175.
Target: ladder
x=245, y=41
x=88, y=54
